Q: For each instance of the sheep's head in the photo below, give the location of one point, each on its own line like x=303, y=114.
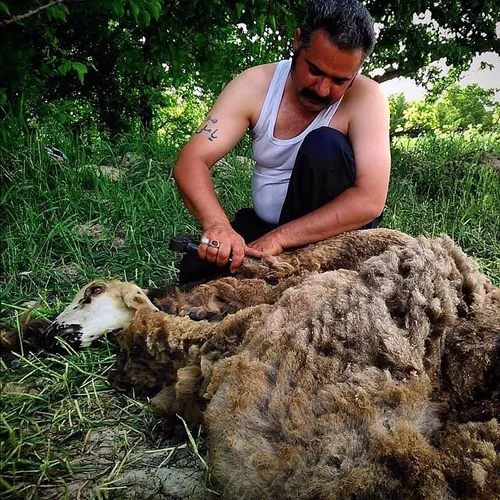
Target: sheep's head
x=98, y=308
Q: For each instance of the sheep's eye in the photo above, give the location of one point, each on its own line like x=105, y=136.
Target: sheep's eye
x=94, y=290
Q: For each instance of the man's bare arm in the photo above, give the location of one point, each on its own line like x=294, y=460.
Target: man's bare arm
x=225, y=124
x=358, y=205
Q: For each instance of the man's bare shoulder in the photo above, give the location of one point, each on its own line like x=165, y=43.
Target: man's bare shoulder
x=256, y=80
x=364, y=99
x=364, y=88
x=253, y=84
x=261, y=74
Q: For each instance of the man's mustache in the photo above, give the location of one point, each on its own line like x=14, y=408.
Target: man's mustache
x=312, y=96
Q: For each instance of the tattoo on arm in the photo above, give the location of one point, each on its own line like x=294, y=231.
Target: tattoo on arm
x=208, y=126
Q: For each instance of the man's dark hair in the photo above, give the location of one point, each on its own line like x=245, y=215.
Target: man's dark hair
x=346, y=22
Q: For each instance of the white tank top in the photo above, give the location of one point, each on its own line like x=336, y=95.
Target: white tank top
x=274, y=157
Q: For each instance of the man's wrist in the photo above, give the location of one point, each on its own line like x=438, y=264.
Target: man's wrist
x=282, y=236
x=212, y=222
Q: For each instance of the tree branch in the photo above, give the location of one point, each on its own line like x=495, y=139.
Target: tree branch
x=396, y=73
x=20, y=17
x=388, y=75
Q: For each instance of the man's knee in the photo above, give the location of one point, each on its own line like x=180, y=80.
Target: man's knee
x=327, y=147
x=324, y=168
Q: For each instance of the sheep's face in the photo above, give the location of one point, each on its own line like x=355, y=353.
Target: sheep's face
x=98, y=308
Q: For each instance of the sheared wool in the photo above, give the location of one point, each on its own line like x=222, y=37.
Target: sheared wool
x=374, y=378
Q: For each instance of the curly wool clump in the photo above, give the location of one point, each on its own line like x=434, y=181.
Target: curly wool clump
x=360, y=383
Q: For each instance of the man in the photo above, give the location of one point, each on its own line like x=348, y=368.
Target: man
x=320, y=135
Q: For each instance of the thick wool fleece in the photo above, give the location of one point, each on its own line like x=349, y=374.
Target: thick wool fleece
x=264, y=281
x=332, y=394
x=376, y=382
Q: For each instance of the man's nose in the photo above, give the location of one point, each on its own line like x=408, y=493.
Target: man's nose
x=323, y=87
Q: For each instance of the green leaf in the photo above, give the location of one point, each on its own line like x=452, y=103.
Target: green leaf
x=135, y=10
x=80, y=69
x=154, y=8
x=272, y=22
x=117, y=7
x=5, y=9
x=56, y=12
x=261, y=24
x=64, y=67
x=144, y=18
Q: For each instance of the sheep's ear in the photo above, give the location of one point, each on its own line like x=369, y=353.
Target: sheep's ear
x=134, y=297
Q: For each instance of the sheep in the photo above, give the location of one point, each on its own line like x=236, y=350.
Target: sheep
x=365, y=366
x=106, y=306
x=378, y=381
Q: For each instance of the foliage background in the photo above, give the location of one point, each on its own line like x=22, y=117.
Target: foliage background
x=114, y=60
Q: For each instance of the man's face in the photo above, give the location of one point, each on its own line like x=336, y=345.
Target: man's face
x=322, y=72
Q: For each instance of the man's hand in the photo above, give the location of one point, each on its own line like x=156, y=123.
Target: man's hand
x=224, y=242
x=269, y=244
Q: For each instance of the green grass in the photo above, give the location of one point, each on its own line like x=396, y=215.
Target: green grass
x=50, y=408
x=68, y=218
x=67, y=223
x=448, y=185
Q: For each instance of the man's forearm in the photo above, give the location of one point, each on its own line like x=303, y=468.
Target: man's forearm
x=195, y=186
x=196, y=189
x=351, y=210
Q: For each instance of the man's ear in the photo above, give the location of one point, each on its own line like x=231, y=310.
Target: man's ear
x=296, y=39
x=134, y=297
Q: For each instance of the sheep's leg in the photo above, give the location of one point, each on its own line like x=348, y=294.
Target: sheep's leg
x=263, y=281
x=216, y=299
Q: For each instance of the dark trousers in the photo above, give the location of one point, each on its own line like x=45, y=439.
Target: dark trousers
x=323, y=169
